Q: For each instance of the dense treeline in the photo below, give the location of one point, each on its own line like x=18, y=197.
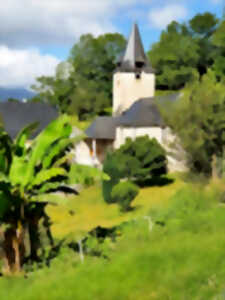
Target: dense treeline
x=187, y=50
x=83, y=83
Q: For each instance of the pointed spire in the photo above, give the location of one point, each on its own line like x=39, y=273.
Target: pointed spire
x=134, y=58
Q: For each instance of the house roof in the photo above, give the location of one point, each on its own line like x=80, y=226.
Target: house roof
x=134, y=58
x=17, y=115
x=102, y=128
x=143, y=113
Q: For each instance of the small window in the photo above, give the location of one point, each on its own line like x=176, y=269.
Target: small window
x=138, y=75
x=139, y=64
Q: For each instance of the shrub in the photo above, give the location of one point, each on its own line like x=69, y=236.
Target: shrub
x=142, y=158
x=137, y=160
x=124, y=193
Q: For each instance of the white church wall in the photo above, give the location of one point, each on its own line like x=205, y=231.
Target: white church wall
x=122, y=133
x=81, y=152
x=175, y=154
x=127, y=89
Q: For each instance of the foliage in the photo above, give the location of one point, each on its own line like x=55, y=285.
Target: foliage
x=188, y=50
x=124, y=193
x=138, y=160
x=219, y=41
x=83, y=84
x=198, y=121
x=28, y=171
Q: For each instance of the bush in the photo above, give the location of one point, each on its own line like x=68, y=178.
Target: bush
x=124, y=193
x=137, y=160
x=142, y=158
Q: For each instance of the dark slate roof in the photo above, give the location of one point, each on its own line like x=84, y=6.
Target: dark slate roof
x=17, y=115
x=134, y=55
x=143, y=113
x=102, y=128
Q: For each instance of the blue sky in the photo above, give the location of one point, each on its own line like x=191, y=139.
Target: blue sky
x=35, y=35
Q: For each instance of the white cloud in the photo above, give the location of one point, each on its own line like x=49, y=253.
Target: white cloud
x=25, y=22
x=161, y=17
x=19, y=68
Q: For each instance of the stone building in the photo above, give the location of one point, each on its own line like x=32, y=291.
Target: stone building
x=135, y=112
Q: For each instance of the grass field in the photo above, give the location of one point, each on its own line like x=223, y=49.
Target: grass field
x=89, y=209
x=182, y=258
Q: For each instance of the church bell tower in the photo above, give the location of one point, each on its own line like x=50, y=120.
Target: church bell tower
x=134, y=78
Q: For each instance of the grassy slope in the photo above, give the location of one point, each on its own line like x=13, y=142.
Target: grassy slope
x=182, y=260
x=90, y=210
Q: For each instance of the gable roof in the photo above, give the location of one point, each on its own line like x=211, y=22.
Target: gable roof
x=143, y=113
x=17, y=115
x=102, y=128
x=134, y=58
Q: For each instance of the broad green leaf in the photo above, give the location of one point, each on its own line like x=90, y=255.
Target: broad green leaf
x=49, y=186
x=59, y=128
x=64, y=159
x=4, y=178
x=18, y=171
x=24, y=134
x=45, y=175
x=58, y=147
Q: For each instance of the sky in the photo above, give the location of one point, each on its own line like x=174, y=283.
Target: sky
x=36, y=35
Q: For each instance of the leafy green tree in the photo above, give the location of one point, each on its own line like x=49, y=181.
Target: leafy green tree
x=218, y=40
x=56, y=90
x=27, y=171
x=204, y=24
x=174, y=57
x=184, y=50
x=93, y=61
x=137, y=160
x=203, y=27
x=198, y=121
x=83, y=84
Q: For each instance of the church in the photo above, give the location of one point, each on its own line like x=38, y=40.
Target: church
x=135, y=112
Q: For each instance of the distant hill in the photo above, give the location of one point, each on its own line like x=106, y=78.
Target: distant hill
x=17, y=93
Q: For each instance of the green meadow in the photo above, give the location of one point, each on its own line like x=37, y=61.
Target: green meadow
x=180, y=256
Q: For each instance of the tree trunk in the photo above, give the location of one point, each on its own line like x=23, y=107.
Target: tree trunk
x=3, y=256
x=16, y=247
x=13, y=250
x=33, y=229
x=8, y=250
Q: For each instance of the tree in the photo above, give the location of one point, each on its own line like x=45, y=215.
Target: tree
x=26, y=172
x=83, y=84
x=184, y=50
x=56, y=90
x=137, y=160
x=199, y=123
x=174, y=57
x=218, y=40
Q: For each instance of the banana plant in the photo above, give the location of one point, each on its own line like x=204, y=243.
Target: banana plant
x=29, y=169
